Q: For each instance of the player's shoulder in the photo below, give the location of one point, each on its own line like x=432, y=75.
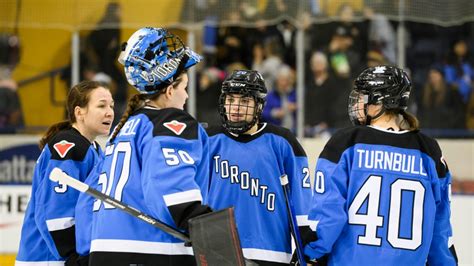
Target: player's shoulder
x=69, y=144
x=430, y=144
x=340, y=141
x=215, y=130
x=288, y=136
x=172, y=122
x=432, y=148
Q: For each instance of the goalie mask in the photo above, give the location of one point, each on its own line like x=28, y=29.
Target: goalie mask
x=153, y=58
x=241, y=100
x=387, y=86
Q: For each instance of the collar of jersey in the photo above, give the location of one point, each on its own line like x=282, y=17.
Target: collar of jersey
x=151, y=107
x=247, y=137
x=389, y=131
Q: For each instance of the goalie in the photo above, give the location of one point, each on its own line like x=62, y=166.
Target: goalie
x=155, y=160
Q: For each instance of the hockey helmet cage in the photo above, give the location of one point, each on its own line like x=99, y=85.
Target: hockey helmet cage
x=385, y=85
x=153, y=58
x=247, y=83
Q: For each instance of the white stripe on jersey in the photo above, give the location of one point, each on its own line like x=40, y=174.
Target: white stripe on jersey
x=266, y=255
x=302, y=220
x=60, y=223
x=134, y=246
x=183, y=197
x=39, y=263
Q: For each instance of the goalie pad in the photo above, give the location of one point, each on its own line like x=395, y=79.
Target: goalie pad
x=215, y=239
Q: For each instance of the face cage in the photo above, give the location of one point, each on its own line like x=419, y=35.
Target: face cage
x=241, y=126
x=357, y=107
x=174, y=49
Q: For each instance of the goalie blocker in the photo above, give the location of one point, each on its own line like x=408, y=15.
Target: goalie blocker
x=214, y=236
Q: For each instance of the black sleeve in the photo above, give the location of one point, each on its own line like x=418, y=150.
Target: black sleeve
x=181, y=213
x=65, y=241
x=307, y=235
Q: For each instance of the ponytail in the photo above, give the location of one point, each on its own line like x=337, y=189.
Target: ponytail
x=137, y=101
x=52, y=130
x=411, y=120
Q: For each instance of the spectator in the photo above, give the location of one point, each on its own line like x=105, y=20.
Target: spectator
x=459, y=72
x=105, y=42
x=92, y=73
x=280, y=108
x=11, y=117
x=381, y=35
x=325, y=98
x=441, y=106
x=356, y=30
x=9, y=50
x=375, y=58
x=208, y=94
x=276, y=8
x=271, y=62
x=470, y=113
x=231, y=41
x=344, y=59
x=287, y=36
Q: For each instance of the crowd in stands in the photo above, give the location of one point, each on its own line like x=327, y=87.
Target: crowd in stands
x=439, y=62
x=11, y=116
x=438, y=59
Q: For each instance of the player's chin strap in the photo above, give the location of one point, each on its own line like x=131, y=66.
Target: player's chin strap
x=369, y=118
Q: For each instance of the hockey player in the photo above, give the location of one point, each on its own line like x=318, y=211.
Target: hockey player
x=50, y=225
x=156, y=160
x=248, y=158
x=382, y=188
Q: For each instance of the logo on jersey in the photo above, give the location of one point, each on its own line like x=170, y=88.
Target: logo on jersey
x=175, y=126
x=63, y=147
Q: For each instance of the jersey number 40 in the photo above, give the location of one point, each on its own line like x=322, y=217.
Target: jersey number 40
x=371, y=192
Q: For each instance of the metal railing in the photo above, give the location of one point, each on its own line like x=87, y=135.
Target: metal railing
x=51, y=75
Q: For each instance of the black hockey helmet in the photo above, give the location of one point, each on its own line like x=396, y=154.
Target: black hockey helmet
x=388, y=86
x=246, y=83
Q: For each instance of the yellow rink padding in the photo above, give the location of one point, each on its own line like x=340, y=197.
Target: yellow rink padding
x=7, y=259
x=45, y=30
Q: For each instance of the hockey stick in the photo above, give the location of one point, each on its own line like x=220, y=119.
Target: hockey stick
x=293, y=224
x=58, y=175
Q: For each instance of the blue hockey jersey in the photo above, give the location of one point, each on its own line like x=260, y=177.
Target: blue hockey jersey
x=158, y=163
x=382, y=198
x=49, y=227
x=245, y=174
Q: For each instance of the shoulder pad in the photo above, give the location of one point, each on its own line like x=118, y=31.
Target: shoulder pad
x=214, y=130
x=173, y=122
x=68, y=144
x=288, y=136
